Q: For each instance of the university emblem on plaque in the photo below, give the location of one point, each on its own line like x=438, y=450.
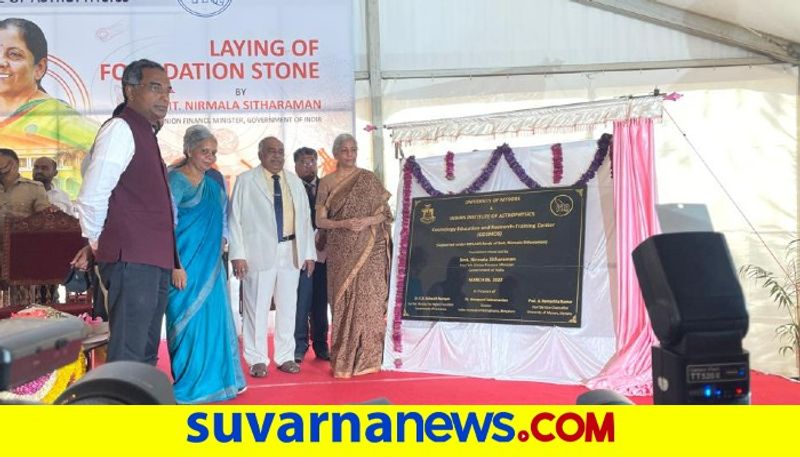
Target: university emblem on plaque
x=427, y=215
x=561, y=205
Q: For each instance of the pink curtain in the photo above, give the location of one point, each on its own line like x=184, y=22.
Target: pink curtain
x=629, y=371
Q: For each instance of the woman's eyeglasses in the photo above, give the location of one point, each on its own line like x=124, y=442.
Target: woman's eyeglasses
x=208, y=152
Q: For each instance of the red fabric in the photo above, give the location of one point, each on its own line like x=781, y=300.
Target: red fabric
x=75, y=309
x=7, y=311
x=314, y=385
x=43, y=256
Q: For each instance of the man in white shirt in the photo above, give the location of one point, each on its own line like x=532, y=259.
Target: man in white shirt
x=44, y=170
x=126, y=214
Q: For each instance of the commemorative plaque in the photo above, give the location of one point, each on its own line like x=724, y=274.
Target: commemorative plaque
x=504, y=257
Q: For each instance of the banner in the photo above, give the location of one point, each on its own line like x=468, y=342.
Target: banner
x=245, y=68
x=399, y=430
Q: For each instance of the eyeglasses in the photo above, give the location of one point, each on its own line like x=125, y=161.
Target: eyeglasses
x=207, y=152
x=158, y=89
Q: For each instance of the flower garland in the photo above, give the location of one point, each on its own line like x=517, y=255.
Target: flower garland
x=416, y=172
x=47, y=388
x=66, y=376
x=518, y=170
x=558, y=163
x=34, y=390
x=449, y=166
x=397, y=338
x=599, y=156
x=411, y=169
x=611, y=161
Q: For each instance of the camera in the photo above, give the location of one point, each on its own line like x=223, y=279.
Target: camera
x=30, y=348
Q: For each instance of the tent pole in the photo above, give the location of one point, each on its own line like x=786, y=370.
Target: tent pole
x=375, y=84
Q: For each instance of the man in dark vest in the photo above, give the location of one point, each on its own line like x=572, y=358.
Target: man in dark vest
x=126, y=214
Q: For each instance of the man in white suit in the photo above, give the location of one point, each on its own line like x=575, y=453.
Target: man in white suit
x=271, y=240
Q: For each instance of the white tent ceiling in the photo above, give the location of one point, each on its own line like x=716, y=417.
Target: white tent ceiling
x=776, y=17
x=735, y=62
x=719, y=21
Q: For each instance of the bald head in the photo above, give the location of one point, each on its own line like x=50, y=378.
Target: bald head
x=270, y=153
x=44, y=170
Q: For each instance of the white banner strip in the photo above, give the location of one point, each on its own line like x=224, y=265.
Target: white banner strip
x=550, y=119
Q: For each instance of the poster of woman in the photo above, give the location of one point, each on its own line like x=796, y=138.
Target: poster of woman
x=32, y=122
x=243, y=72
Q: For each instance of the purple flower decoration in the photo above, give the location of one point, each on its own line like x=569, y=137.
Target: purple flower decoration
x=558, y=162
x=518, y=170
x=599, y=157
x=397, y=336
x=449, y=166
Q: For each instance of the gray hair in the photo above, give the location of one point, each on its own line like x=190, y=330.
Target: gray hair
x=195, y=135
x=340, y=139
x=263, y=142
x=132, y=75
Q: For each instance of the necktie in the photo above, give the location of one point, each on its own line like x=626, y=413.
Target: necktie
x=278, y=202
x=311, y=189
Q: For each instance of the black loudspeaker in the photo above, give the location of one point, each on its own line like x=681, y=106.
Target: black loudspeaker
x=602, y=397
x=690, y=286
x=698, y=313
x=120, y=383
x=699, y=379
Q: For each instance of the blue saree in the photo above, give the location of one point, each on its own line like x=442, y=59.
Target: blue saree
x=201, y=337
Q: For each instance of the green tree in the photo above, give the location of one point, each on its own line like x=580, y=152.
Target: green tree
x=783, y=290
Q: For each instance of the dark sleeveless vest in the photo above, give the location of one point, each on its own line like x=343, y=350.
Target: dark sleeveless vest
x=139, y=225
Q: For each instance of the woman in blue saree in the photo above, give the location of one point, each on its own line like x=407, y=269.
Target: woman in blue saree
x=203, y=347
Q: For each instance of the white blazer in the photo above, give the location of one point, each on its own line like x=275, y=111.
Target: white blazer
x=251, y=222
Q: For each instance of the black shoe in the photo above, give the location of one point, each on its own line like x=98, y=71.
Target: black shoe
x=258, y=370
x=298, y=358
x=323, y=355
x=289, y=367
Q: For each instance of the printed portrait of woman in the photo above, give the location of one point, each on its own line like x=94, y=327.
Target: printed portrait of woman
x=32, y=122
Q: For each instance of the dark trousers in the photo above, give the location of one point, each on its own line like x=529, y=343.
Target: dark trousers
x=98, y=298
x=137, y=299
x=312, y=305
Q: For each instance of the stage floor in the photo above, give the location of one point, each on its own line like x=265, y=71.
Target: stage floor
x=315, y=385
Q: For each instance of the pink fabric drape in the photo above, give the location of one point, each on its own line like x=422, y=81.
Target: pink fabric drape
x=629, y=371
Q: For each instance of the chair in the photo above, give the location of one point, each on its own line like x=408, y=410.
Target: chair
x=37, y=251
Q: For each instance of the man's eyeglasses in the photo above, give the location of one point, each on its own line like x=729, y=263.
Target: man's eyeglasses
x=158, y=89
